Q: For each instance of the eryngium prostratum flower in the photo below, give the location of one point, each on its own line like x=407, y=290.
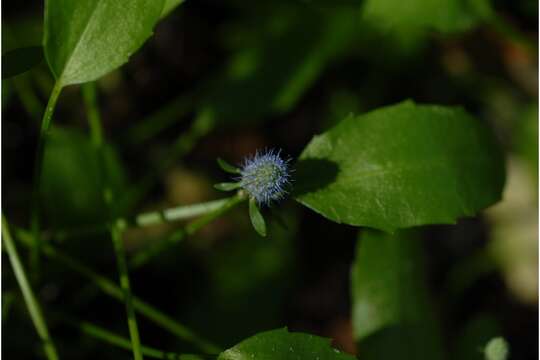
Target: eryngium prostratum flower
x=265, y=176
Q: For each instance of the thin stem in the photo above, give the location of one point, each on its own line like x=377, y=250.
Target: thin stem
x=28, y=294
x=147, y=219
x=114, y=339
x=144, y=256
x=116, y=235
x=94, y=119
x=180, y=212
x=90, y=98
x=35, y=217
x=110, y=288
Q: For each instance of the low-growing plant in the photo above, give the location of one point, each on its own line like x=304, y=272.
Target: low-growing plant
x=389, y=171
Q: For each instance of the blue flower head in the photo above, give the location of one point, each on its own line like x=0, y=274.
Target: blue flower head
x=265, y=176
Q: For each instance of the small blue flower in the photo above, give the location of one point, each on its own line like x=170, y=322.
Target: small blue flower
x=265, y=176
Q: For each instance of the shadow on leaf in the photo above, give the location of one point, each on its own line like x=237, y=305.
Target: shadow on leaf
x=312, y=175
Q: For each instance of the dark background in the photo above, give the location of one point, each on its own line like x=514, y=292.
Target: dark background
x=226, y=282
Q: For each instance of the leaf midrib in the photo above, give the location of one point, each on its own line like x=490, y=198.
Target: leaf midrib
x=70, y=57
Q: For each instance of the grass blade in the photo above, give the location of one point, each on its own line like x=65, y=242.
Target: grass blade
x=29, y=297
x=110, y=288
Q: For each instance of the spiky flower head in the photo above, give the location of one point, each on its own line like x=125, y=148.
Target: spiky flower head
x=265, y=176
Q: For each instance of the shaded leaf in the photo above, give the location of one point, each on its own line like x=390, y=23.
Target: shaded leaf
x=392, y=314
x=271, y=72
x=73, y=178
x=18, y=61
x=243, y=271
x=409, y=21
x=284, y=345
x=401, y=166
x=84, y=40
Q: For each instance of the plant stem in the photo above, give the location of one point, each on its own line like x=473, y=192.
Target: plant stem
x=110, y=288
x=89, y=95
x=180, y=212
x=116, y=235
x=114, y=339
x=94, y=119
x=28, y=294
x=144, y=256
x=35, y=216
x=150, y=218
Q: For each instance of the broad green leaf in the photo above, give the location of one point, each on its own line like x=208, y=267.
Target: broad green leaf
x=18, y=61
x=284, y=345
x=73, y=179
x=257, y=219
x=401, y=166
x=84, y=40
x=392, y=314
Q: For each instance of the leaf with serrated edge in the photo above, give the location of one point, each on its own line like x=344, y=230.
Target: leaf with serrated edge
x=401, y=166
x=284, y=345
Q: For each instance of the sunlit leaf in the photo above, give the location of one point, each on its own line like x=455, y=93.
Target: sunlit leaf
x=84, y=40
x=284, y=345
x=401, y=166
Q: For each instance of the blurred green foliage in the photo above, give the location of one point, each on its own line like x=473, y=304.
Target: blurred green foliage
x=226, y=78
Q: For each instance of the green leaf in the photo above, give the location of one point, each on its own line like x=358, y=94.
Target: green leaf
x=284, y=345
x=85, y=40
x=18, y=61
x=73, y=177
x=227, y=186
x=401, y=166
x=257, y=219
x=392, y=314
x=496, y=349
x=225, y=166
